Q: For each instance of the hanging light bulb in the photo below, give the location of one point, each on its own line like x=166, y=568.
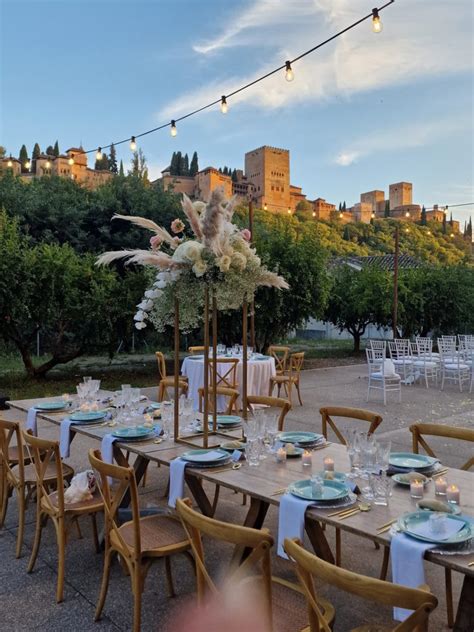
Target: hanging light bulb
x=99, y=154
x=289, y=211
x=224, y=106
x=47, y=164
x=10, y=162
x=429, y=232
x=314, y=213
x=341, y=215
x=27, y=164
x=377, y=25
x=174, y=131
x=133, y=144
x=451, y=235
x=289, y=74
x=71, y=160
x=373, y=216
x=407, y=214
x=265, y=207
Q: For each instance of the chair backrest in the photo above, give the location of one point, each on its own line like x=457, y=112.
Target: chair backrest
x=466, y=341
x=424, y=346
x=161, y=364
x=231, y=393
x=10, y=433
x=259, y=540
x=328, y=412
x=296, y=363
x=122, y=480
x=375, y=360
x=308, y=565
x=226, y=372
x=196, y=349
x=45, y=453
x=438, y=430
x=399, y=348
x=280, y=354
x=273, y=402
x=447, y=345
x=378, y=345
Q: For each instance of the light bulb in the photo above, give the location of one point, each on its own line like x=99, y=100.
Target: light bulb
x=265, y=207
x=341, y=215
x=289, y=211
x=47, y=164
x=314, y=213
x=133, y=144
x=452, y=235
x=289, y=74
x=407, y=214
x=71, y=160
x=27, y=164
x=373, y=215
x=377, y=25
x=10, y=162
x=224, y=106
x=407, y=230
x=98, y=155
x=174, y=131
x=429, y=232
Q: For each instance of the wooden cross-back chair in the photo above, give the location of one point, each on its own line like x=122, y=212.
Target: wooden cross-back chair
x=231, y=393
x=139, y=542
x=46, y=458
x=272, y=402
x=196, y=349
x=280, y=354
x=166, y=381
x=225, y=383
x=289, y=378
x=283, y=599
x=420, y=600
x=328, y=412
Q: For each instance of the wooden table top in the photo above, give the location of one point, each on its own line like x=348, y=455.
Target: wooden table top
x=263, y=481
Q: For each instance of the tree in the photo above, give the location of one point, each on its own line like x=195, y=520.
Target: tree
x=194, y=166
x=304, y=209
x=185, y=167
x=387, y=208
x=50, y=150
x=359, y=298
x=174, y=164
x=444, y=224
x=340, y=207
x=3, y=151
x=234, y=175
x=36, y=154
x=423, y=215
x=451, y=220
x=121, y=171
x=23, y=157
x=344, y=206
x=179, y=163
x=113, y=159
x=139, y=165
x=56, y=149
x=469, y=229
x=103, y=163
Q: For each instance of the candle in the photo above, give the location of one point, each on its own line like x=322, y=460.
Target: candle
x=307, y=458
x=441, y=485
x=453, y=495
x=281, y=455
x=416, y=489
x=328, y=464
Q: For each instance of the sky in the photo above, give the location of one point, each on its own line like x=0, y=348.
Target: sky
x=364, y=111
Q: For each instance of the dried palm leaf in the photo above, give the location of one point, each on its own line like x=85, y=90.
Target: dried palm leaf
x=272, y=279
x=192, y=215
x=143, y=222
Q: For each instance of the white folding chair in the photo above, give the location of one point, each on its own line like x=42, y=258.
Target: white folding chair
x=401, y=355
x=426, y=362
x=379, y=379
x=454, y=367
x=378, y=345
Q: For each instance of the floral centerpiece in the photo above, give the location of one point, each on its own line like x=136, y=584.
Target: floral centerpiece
x=218, y=256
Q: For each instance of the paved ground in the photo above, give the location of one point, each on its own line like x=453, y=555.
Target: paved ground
x=27, y=602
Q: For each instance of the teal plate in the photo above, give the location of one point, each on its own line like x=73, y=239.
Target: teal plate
x=412, y=461
x=84, y=417
x=339, y=477
x=410, y=521
x=198, y=456
x=297, y=452
x=133, y=434
x=229, y=446
x=299, y=437
x=228, y=420
x=51, y=405
x=331, y=490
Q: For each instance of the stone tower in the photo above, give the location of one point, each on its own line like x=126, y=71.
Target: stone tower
x=268, y=169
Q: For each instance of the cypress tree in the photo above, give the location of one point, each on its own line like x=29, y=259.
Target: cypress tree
x=194, y=166
x=185, y=170
x=469, y=229
x=113, y=159
x=423, y=215
x=387, y=209
x=50, y=150
x=23, y=157
x=179, y=163
x=451, y=220
x=56, y=149
x=121, y=171
x=34, y=156
x=174, y=167
x=344, y=206
x=340, y=207
x=234, y=175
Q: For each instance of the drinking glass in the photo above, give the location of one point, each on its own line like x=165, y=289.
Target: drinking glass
x=380, y=486
x=353, y=452
x=166, y=418
x=316, y=485
x=367, y=454
x=252, y=452
x=382, y=455
x=271, y=429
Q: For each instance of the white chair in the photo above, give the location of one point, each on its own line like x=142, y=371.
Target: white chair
x=466, y=345
x=447, y=348
x=454, y=368
x=469, y=359
x=401, y=355
x=426, y=363
x=378, y=345
x=380, y=376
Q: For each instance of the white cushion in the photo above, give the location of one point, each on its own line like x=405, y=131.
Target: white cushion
x=378, y=376
x=406, y=360
x=456, y=366
x=427, y=363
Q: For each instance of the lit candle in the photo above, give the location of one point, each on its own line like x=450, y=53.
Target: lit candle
x=328, y=464
x=307, y=458
x=416, y=489
x=441, y=485
x=281, y=455
x=453, y=495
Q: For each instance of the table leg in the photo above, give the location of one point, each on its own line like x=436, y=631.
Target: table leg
x=318, y=539
x=140, y=465
x=254, y=519
x=465, y=614
x=195, y=486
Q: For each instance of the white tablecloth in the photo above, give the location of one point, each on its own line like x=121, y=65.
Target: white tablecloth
x=259, y=373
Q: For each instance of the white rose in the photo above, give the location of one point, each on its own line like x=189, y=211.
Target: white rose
x=199, y=268
x=224, y=263
x=188, y=252
x=139, y=316
x=160, y=284
x=153, y=294
x=145, y=305
x=140, y=325
x=239, y=261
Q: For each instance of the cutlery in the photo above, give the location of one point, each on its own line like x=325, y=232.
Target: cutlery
x=387, y=524
x=279, y=491
x=341, y=511
x=387, y=528
x=439, y=473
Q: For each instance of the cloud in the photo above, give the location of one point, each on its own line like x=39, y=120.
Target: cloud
x=417, y=42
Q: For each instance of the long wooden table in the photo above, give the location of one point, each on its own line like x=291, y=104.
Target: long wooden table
x=261, y=483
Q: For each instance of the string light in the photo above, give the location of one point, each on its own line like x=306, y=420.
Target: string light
x=71, y=160
x=224, y=106
x=377, y=25
x=314, y=213
x=27, y=164
x=47, y=164
x=174, y=131
x=265, y=207
x=133, y=144
x=10, y=162
x=407, y=230
x=429, y=232
x=373, y=216
x=452, y=235
x=407, y=214
x=99, y=154
x=289, y=74
x=289, y=211
x=341, y=215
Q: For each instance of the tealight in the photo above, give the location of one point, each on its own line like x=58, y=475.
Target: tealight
x=441, y=485
x=281, y=455
x=307, y=458
x=417, y=489
x=453, y=494
x=328, y=464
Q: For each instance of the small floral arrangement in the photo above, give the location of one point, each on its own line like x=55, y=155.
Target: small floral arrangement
x=218, y=256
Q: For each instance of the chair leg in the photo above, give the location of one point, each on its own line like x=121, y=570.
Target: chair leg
x=449, y=596
x=144, y=474
x=105, y=584
x=5, y=495
x=61, y=535
x=95, y=534
x=386, y=558
x=21, y=520
x=36, y=544
x=297, y=386
x=169, y=577
x=216, y=499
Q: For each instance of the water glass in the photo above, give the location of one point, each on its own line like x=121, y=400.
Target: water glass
x=382, y=455
x=381, y=487
x=438, y=522
x=167, y=417
x=252, y=452
x=316, y=485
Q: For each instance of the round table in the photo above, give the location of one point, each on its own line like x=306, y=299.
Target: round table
x=259, y=372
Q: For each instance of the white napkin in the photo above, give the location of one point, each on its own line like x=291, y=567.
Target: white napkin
x=389, y=368
x=407, y=566
x=211, y=455
x=291, y=520
x=177, y=467
x=65, y=437
x=106, y=448
x=31, y=422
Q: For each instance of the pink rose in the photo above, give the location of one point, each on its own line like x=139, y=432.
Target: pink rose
x=177, y=226
x=246, y=234
x=155, y=242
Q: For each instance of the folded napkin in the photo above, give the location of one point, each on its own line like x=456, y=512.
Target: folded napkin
x=291, y=520
x=177, y=467
x=236, y=455
x=106, y=447
x=65, y=437
x=407, y=565
x=31, y=421
x=211, y=455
